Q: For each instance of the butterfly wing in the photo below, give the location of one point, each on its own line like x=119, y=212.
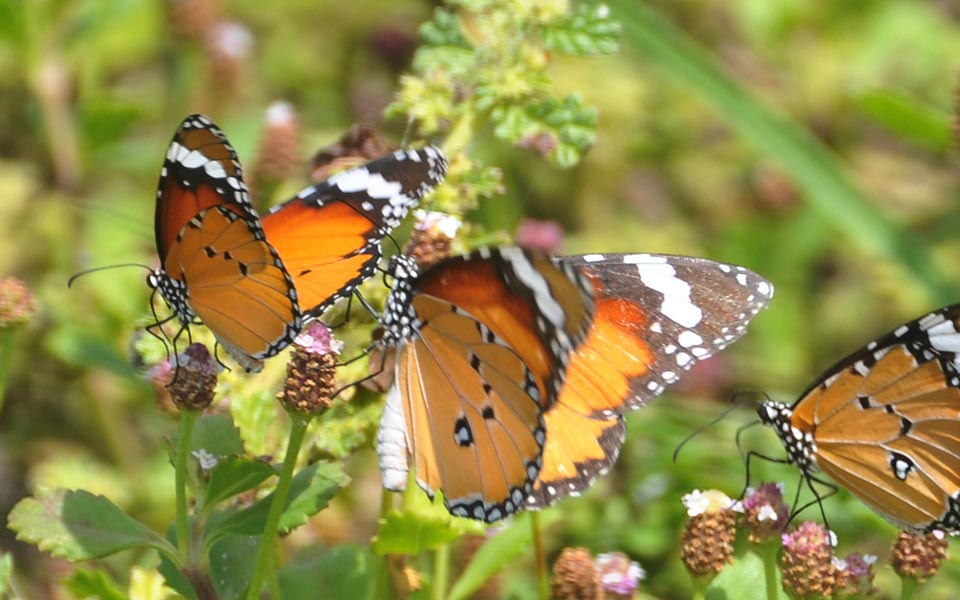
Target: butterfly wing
x=329, y=234
x=483, y=348
x=886, y=423
x=216, y=263
x=656, y=316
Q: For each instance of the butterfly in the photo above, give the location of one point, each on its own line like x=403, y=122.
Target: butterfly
x=656, y=316
x=884, y=423
x=482, y=343
x=253, y=281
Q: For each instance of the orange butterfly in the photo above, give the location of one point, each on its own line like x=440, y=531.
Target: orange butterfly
x=251, y=281
x=482, y=345
x=884, y=423
x=655, y=317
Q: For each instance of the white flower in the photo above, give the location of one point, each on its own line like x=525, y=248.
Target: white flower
x=207, y=461
x=766, y=513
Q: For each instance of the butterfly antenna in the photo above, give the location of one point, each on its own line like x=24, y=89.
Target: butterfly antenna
x=77, y=276
x=701, y=429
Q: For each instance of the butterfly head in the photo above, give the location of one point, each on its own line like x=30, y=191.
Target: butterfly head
x=800, y=446
x=174, y=293
x=399, y=317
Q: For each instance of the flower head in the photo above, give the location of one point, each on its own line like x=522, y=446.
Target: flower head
x=706, y=546
x=432, y=236
x=807, y=562
x=17, y=303
x=194, y=378
x=311, y=371
x=617, y=575
x=574, y=576
x=765, y=513
x=855, y=575
x=919, y=555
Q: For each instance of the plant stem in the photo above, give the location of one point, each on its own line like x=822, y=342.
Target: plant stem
x=907, y=585
x=6, y=358
x=460, y=133
x=542, y=579
x=768, y=554
x=188, y=418
x=264, y=562
x=441, y=572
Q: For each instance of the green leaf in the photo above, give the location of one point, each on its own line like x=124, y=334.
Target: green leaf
x=217, y=435
x=77, y=525
x=233, y=476
x=94, y=584
x=342, y=572
x=589, y=31
x=311, y=490
x=815, y=169
x=422, y=527
x=444, y=30
x=562, y=130
x=6, y=571
x=743, y=580
x=908, y=118
x=231, y=564
x=498, y=551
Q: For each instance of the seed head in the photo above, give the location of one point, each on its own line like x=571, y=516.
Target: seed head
x=918, y=555
x=765, y=513
x=194, y=378
x=311, y=371
x=575, y=576
x=706, y=546
x=806, y=562
x=17, y=303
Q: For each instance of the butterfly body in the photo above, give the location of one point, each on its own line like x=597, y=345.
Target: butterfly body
x=482, y=344
x=884, y=423
x=253, y=282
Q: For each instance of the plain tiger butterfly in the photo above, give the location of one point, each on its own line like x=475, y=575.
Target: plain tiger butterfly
x=884, y=423
x=252, y=281
x=656, y=316
x=482, y=343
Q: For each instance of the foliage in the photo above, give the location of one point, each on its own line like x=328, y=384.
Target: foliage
x=810, y=143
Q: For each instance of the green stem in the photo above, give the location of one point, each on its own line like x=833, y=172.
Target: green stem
x=264, y=561
x=768, y=554
x=542, y=579
x=6, y=358
x=441, y=572
x=188, y=418
x=907, y=585
x=381, y=575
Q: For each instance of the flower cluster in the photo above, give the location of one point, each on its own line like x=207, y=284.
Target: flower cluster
x=577, y=575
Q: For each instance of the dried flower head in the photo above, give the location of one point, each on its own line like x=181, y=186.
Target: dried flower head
x=278, y=155
x=191, y=18
x=919, y=555
x=855, y=576
x=18, y=305
x=617, y=575
x=807, y=562
x=432, y=236
x=765, y=512
x=706, y=546
x=358, y=145
x=311, y=371
x=574, y=576
x=194, y=378
x=229, y=47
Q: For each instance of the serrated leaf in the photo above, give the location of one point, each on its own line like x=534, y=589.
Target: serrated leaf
x=311, y=490
x=498, y=551
x=588, y=32
x=77, y=525
x=94, y=584
x=562, y=130
x=423, y=527
x=233, y=476
x=342, y=572
x=743, y=580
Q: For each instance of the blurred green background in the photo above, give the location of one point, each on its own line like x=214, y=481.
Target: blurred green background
x=824, y=162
